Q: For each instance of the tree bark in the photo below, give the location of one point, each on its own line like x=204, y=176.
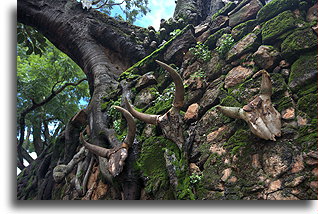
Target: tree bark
x=103, y=47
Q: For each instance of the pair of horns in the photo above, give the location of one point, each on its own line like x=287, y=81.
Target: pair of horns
x=103, y=152
x=262, y=118
x=177, y=102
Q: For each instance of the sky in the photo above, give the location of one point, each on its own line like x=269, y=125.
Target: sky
x=159, y=10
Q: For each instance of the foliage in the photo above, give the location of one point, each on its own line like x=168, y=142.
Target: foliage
x=129, y=8
x=175, y=32
x=201, y=51
x=195, y=178
x=30, y=38
x=199, y=74
x=37, y=77
x=227, y=43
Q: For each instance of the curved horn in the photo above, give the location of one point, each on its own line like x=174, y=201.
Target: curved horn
x=266, y=85
x=147, y=118
x=97, y=150
x=233, y=112
x=131, y=125
x=179, y=93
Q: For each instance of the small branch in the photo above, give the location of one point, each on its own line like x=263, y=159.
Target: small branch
x=109, y=4
x=35, y=106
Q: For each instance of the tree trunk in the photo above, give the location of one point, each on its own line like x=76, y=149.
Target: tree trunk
x=103, y=47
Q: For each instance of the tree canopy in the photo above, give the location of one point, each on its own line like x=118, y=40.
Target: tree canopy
x=40, y=76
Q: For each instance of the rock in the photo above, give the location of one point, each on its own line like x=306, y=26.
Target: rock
x=236, y=76
x=246, y=12
x=295, y=182
x=298, y=164
x=288, y=114
x=212, y=39
x=312, y=154
x=275, y=7
x=215, y=67
x=275, y=185
x=301, y=121
x=232, y=180
x=153, y=44
x=274, y=165
x=303, y=72
x=179, y=46
x=145, y=81
x=280, y=195
x=298, y=42
x=194, y=168
x=278, y=25
x=218, y=23
x=315, y=28
x=210, y=95
x=247, y=44
x=226, y=174
x=163, y=34
x=266, y=56
x=186, y=9
x=192, y=112
x=192, y=97
x=202, y=38
x=284, y=64
x=255, y=161
x=214, y=135
x=217, y=149
x=239, y=31
x=198, y=30
x=315, y=172
x=215, y=6
x=308, y=105
x=314, y=185
x=312, y=13
x=144, y=97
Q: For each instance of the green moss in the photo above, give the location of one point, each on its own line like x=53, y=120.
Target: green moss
x=307, y=136
x=308, y=104
x=283, y=103
x=298, y=42
x=239, y=31
x=224, y=10
x=153, y=166
x=160, y=107
x=212, y=39
x=134, y=71
x=305, y=66
x=274, y=8
x=230, y=101
x=237, y=141
x=277, y=26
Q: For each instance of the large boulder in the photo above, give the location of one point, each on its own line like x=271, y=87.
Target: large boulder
x=274, y=8
x=303, y=72
x=246, y=12
x=174, y=52
x=277, y=26
x=248, y=43
x=312, y=13
x=241, y=30
x=266, y=56
x=237, y=75
x=299, y=42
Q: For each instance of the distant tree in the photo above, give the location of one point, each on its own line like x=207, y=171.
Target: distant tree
x=46, y=96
